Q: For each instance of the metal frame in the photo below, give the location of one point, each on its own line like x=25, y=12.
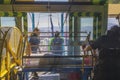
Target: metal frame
x=53, y=7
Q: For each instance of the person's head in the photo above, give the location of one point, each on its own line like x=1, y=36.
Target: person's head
x=115, y=30
x=57, y=34
x=36, y=31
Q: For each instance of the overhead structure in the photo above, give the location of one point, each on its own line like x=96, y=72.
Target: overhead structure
x=55, y=6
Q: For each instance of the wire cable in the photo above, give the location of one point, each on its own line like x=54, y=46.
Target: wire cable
x=38, y=21
x=69, y=9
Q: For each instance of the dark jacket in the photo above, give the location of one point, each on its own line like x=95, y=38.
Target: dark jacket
x=34, y=42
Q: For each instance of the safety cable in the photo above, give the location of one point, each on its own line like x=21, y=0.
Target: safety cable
x=38, y=21
x=48, y=8
x=13, y=10
x=30, y=17
x=12, y=2
x=69, y=9
x=58, y=21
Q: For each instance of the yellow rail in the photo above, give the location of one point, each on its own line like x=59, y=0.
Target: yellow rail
x=12, y=49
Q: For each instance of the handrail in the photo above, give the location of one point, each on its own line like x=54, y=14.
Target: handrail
x=3, y=68
x=14, y=46
x=46, y=58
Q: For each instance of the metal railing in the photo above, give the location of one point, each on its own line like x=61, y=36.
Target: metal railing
x=11, y=52
x=45, y=57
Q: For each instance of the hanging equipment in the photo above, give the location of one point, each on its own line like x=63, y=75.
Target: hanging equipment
x=52, y=27
x=33, y=21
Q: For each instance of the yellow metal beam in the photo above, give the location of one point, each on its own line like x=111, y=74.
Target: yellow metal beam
x=113, y=9
x=3, y=74
x=53, y=8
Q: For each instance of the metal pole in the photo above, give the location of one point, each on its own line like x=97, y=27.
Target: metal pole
x=0, y=21
x=62, y=24
x=33, y=21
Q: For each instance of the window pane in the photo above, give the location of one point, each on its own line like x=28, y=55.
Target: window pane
x=111, y=22
x=8, y=21
x=87, y=25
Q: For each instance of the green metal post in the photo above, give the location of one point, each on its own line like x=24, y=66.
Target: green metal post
x=94, y=28
x=70, y=47
x=76, y=35
x=25, y=24
x=19, y=22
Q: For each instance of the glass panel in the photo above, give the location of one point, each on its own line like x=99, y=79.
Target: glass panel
x=111, y=22
x=44, y=24
x=86, y=26
x=42, y=21
x=8, y=21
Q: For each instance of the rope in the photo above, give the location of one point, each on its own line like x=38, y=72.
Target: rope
x=58, y=21
x=52, y=27
x=12, y=2
x=68, y=12
x=38, y=21
x=48, y=7
x=50, y=18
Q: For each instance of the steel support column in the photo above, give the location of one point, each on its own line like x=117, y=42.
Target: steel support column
x=76, y=35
